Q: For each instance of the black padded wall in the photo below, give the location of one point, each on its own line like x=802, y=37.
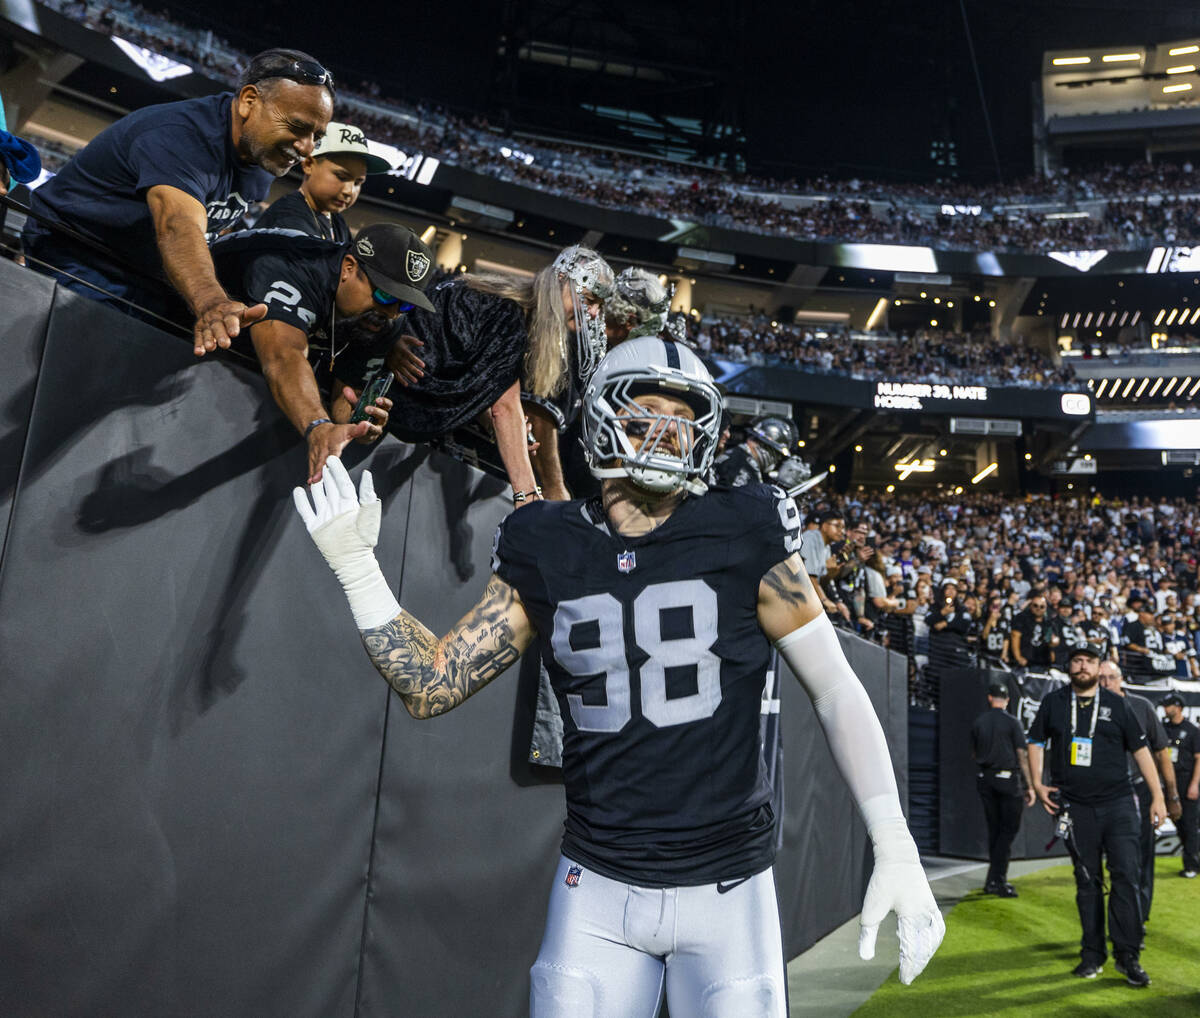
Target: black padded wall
x=963, y=830
x=212, y=803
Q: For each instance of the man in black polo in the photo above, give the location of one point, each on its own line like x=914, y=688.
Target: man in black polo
x=333, y=303
x=1183, y=741
x=998, y=748
x=162, y=183
x=1156, y=741
x=1088, y=731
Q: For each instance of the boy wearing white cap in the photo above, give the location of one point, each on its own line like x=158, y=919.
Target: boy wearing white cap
x=333, y=177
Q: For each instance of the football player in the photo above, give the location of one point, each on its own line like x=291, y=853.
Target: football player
x=655, y=617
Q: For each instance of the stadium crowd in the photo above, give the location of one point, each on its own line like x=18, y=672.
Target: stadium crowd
x=949, y=578
x=931, y=354
x=1146, y=204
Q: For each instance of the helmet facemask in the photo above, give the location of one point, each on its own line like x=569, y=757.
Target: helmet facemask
x=659, y=452
x=585, y=272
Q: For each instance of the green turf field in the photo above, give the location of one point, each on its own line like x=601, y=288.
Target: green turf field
x=1014, y=957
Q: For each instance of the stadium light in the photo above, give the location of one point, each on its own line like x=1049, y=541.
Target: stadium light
x=1154, y=389
x=1170, y=386
x=1136, y=316
x=1179, y=51
x=1029, y=455
x=891, y=488
x=1185, y=87
x=1070, y=61
x=1119, y=58
x=1128, y=388
x=1100, y=390
x=1141, y=388
x=1194, y=388
x=987, y=471
x=858, y=448
x=991, y=303
x=1171, y=317
x=873, y=319
x=428, y=235
x=924, y=466
x=1184, y=384
x=1182, y=69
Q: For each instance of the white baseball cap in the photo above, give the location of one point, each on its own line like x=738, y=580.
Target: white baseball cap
x=346, y=139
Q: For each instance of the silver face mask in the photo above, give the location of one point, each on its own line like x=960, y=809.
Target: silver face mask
x=586, y=272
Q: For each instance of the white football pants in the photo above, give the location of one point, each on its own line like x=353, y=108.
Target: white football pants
x=610, y=947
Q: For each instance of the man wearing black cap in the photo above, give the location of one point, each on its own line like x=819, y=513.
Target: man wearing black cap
x=1088, y=731
x=337, y=298
x=162, y=183
x=998, y=748
x=1183, y=739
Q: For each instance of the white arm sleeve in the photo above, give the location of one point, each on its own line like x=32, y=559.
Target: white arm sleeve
x=860, y=750
x=850, y=724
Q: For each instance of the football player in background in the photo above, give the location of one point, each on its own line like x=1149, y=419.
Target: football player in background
x=655, y=614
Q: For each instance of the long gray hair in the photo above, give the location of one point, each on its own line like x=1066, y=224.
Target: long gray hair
x=540, y=297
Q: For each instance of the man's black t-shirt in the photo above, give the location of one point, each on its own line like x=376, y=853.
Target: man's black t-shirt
x=996, y=739
x=292, y=212
x=101, y=191
x=1116, y=733
x=1184, y=741
x=658, y=663
x=1035, y=638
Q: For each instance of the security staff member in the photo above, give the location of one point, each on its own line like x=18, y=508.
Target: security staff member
x=998, y=747
x=1183, y=740
x=1156, y=740
x=1089, y=730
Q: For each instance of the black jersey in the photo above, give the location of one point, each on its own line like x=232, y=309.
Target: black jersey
x=656, y=658
x=296, y=275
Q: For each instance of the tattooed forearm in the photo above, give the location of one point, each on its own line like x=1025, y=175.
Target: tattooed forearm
x=790, y=582
x=433, y=676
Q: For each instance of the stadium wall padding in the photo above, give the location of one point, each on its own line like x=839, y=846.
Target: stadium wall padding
x=212, y=803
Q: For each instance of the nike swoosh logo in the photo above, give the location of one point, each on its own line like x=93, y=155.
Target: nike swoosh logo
x=729, y=885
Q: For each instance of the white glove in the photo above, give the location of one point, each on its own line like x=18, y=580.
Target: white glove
x=898, y=884
x=345, y=528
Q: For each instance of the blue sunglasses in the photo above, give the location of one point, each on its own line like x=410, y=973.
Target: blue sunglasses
x=387, y=300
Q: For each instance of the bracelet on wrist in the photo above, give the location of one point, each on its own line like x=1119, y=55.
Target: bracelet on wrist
x=522, y=496
x=314, y=424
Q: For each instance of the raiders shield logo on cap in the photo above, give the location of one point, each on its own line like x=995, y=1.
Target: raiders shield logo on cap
x=416, y=265
x=365, y=247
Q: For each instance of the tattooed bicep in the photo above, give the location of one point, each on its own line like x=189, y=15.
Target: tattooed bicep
x=789, y=581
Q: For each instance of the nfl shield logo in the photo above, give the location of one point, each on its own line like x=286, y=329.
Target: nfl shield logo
x=626, y=562
x=573, y=875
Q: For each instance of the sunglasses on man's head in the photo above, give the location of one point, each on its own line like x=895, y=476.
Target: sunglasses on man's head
x=306, y=72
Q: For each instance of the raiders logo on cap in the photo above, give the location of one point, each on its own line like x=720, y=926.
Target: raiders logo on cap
x=365, y=247
x=416, y=266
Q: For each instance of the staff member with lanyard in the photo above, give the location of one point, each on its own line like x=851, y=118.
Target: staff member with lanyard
x=998, y=747
x=1089, y=730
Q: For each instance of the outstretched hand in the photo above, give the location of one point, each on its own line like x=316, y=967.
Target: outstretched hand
x=343, y=524
x=901, y=887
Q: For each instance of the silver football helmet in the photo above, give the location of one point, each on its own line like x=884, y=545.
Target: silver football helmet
x=777, y=434
x=638, y=295
x=674, y=453
x=586, y=272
